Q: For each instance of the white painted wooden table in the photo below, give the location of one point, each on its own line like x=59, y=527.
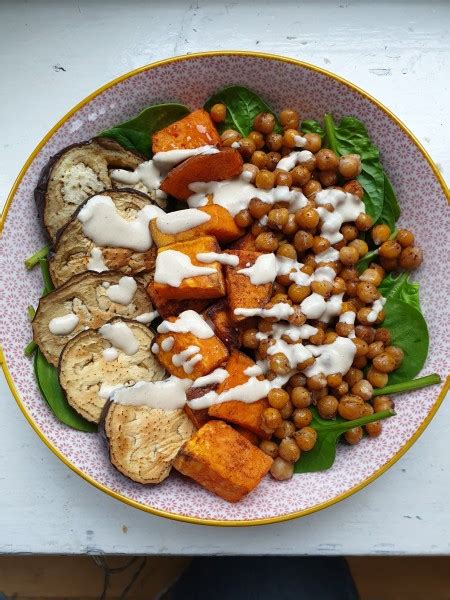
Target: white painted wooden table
x=51, y=56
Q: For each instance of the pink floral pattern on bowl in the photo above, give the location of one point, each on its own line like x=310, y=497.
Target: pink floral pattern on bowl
x=191, y=80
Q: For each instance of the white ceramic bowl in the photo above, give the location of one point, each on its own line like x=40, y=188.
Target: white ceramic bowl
x=190, y=80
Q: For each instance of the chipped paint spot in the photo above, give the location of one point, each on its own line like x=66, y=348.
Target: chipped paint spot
x=382, y=72
x=124, y=529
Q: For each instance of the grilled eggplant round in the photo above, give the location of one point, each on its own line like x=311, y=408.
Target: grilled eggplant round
x=72, y=250
x=83, y=368
x=85, y=296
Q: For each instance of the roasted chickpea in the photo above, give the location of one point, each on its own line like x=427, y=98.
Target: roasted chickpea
x=363, y=315
x=390, y=249
x=342, y=389
x=305, y=438
x=257, y=138
x=348, y=255
x=350, y=166
x=367, y=292
x=290, y=138
x=274, y=141
x=303, y=240
x=374, y=349
x=288, y=450
x=249, y=339
x=313, y=142
x=381, y=403
x=287, y=250
x=363, y=389
x=377, y=378
x=278, y=398
x=327, y=407
x=297, y=293
x=257, y=228
x=283, y=178
x=371, y=276
x=259, y=159
x=381, y=233
x=350, y=232
x=279, y=363
x=317, y=338
x=284, y=430
x=269, y=448
x=405, y=238
x=277, y=218
x=373, y=429
x=218, y=113
x=355, y=188
x=264, y=123
x=300, y=397
x=273, y=158
x=287, y=410
x=243, y=218
x=389, y=264
x=353, y=376
x=316, y=382
x=302, y=417
x=382, y=335
x=396, y=353
x=229, y=136
x=272, y=418
x=289, y=118
x=297, y=380
x=411, y=258
x=334, y=380
x=257, y=208
x=320, y=244
x=366, y=333
x=359, y=362
x=291, y=226
x=311, y=188
x=300, y=175
x=361, y=346
x=384, y=362
x=307, y=218
x=351, y=407
x=361, y=247
x=328, y=178
x=338, y=286
x=249, y=172
x=327, y=160
x=265, y=180
x=353, y=436
x=281, y=469
x=323, y=288
x=266, y=242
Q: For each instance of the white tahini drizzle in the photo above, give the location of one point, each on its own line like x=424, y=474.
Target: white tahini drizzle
x=120, y=336
x=281, y=311
x=110, y=354
x=377, y=307
x=173, y=266
x=167, y=344
x=223, y=258
x=264, y=270
x=122, y=292
x=295, y=158
x=346, y=206
x=147, y=317
x=107, y=389
x=168, y=394
x=102, y=224
x=63, y=325
x=95, y=262
x=332, y=358
x=187, y=322
x=215, y=377
x=181, y=220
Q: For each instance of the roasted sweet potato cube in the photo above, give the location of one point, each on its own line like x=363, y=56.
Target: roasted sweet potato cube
x=246, y=242
x=220, y=166
x=219, y=315
x=213, y=353
x=198, y=417
x=223, y=461
x=241, y=292
x=248, y=416
x=172, y=308
x=203, y=286
x=221, y=225
x=193, y=131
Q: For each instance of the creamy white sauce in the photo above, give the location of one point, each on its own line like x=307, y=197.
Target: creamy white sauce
x=293, y=332
x=120, y=336
x=173, y=266
x=348, y=317
x=328, y=255
x=188, y=322
x=110, y=354
x=63, y=325
x=332, y=358
x=300, y=141
x=313, y=306
x=181, y=220
x=167, y=344
x=347, y=207
x=189, y=365
x=178, y=360
x=147, y=317
x=280, y=311
x=264, y=270
x=167, y=160
x=224, y=259
x=215, y=377
x=235, y=194
x=122, y=292
x=106, y=390
x=253, y=371
x=95, y=262
x=102, y=224
x=295, y=158
x=168, y=394
x=377, y=307
x=154, y=348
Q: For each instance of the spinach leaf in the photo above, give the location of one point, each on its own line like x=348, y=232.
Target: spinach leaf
x=350, y=136
x=322, y=456
x=408, y=330
x=47, y=376
x=311, y=126
x=136, y=134
x=390, y=202
x=242, y=107
x=396, y=286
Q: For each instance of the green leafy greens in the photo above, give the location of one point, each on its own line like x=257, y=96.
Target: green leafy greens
x=322, y=456
x=136, y=134
x=407, y=386
x=243, y=106
x=311, y=126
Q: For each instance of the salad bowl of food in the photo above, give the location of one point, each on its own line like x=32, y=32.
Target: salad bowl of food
x=217, y=271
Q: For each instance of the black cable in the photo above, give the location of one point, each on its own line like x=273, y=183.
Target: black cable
x=108, y=571
x=133, y=579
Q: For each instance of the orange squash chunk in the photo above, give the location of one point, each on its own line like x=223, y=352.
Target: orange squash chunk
x=247, y=416
x=222, y=324
x=200, y=286
x=220, y=166
x=241, y=292
x=193, y=131
x=212, y=350
x=221, y=225
x=246, y=242
x=170, y=308
x=223, y=461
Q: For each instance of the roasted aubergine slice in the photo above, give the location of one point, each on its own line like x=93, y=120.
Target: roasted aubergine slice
x=143, y=442
x=90, y=367
x=74, y=174
x=89, y=300
x=74, y=252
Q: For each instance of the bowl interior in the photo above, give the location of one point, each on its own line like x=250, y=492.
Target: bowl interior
x=282, y=83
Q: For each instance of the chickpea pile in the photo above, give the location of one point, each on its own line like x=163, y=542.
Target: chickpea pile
x=296, y=235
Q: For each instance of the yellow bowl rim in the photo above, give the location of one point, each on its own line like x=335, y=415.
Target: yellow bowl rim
x=134, y=503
